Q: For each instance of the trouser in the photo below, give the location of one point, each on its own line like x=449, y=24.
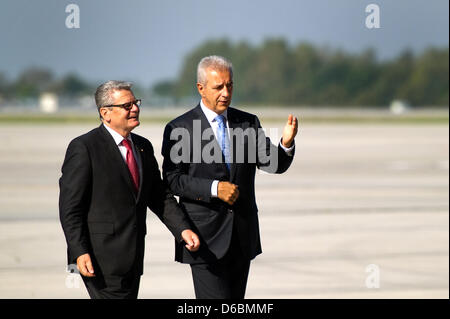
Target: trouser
x=225, y=278
x=113, y=287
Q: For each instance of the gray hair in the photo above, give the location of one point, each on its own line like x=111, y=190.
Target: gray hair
x=103, y=94
x=215, y=62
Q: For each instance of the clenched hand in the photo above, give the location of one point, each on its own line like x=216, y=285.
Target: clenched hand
x=84, y=265
x=191, y=239
x=227, y=192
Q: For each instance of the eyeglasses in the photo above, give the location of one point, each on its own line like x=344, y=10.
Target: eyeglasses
x=127, y=106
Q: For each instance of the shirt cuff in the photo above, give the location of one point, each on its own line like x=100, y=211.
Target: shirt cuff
x=214, y=186
x=289, y=150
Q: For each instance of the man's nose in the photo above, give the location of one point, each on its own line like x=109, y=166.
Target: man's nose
x=225, y=92
x=134, y=108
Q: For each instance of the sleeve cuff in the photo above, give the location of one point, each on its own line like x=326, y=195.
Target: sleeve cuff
x=214, y=186
x=289, y=150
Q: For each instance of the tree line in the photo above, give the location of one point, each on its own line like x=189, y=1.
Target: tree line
x=275, y=73
x=35, y=80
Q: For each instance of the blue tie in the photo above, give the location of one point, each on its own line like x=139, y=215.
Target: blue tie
x=223, y=139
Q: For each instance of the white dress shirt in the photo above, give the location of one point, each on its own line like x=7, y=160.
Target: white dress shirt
x=210, y=116
x=123, y=150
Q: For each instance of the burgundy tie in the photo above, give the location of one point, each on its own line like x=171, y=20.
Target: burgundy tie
x=132, y=165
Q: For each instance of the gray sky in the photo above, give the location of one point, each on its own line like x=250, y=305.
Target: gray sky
x=145, y=41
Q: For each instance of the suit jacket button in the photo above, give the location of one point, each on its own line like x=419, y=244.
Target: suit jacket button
x=230, y=211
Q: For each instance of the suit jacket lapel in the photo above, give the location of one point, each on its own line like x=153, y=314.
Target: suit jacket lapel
x=204, y=122
x=116, y=158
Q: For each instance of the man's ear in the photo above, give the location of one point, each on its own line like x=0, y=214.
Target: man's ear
x=200, y=89
x=106, y=114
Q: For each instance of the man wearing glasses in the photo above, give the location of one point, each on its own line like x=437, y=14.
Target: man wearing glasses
x=109, y=178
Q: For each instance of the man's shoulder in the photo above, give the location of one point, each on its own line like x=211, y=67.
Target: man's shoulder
x=140, y=140
x=88, y=137
x=86, y=143
x=240, y=116
x=237, y=112
x=185, y=117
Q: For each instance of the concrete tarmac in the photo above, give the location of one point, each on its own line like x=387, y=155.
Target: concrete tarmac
x=361, y=213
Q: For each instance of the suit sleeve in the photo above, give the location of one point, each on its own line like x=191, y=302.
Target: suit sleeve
x=74, y=198
x=176, y=174
x=162, y=202
x=270, y=158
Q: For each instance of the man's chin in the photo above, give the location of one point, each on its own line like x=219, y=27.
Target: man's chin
x=134, y=123
x=222, y=107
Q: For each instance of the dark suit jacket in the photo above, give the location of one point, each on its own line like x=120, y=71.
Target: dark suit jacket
x=99, y=211
x=191, y=179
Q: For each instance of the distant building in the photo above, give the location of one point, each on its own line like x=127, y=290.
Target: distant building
x=48, y=102
x=399, y=107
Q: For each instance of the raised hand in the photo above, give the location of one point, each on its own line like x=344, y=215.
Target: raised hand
x=290, y=131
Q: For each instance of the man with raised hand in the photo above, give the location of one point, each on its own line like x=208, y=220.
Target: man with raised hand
x=210, y=158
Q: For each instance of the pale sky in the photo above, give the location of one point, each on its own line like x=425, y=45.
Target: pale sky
x=145, y=41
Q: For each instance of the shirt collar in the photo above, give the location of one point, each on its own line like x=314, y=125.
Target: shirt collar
x=116, y=136
x=210, y=114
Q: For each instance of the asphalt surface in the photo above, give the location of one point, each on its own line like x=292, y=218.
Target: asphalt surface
x=361, y=213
